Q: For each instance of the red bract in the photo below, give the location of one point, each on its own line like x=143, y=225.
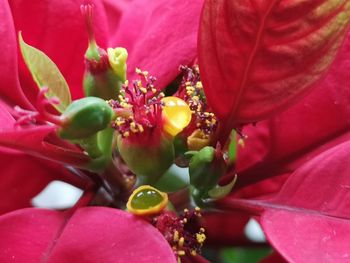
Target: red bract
x=311, y=211
x=258, y=57
x=159, y=37
x=10, y=89
x=285, y=142
x=307, y=221
x=46, y=35
x=276, y=147
x=255, y=58
x=89, y=235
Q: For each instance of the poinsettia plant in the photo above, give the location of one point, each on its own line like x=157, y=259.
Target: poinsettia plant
x=251, y=98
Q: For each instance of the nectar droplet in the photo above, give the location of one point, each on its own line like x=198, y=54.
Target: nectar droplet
x=147, y=200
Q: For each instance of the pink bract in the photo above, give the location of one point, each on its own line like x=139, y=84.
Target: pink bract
x=94, y=234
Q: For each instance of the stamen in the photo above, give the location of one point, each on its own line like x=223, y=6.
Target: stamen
x=42, y=102
x=183, y=232
x=191, y=90
x=25, y=116
x=86, y=11
x=142, y=103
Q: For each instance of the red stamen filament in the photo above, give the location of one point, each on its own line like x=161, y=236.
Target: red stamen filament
x=86, y=11
x=43, y=102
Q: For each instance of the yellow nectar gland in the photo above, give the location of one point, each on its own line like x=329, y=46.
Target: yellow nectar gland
x=177, y=115
x=197, y=140
x=147, y=200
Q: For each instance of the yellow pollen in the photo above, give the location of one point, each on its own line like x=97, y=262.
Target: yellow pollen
x=194, y=253
x=140, y=127
x=126, y=83
x=185, y=220
x=125, y=105
x=241, y=142
x=199, y=85
x=186, y=210
x=126, y=134
x=138, y=71
x=119, y=122
x=133, y=127
x=154, y=90
x=181, y=242
x=200, y=238
x=197, y=209
x=181, y=252
x=143, y=90
x=176, y=236
x=188, y=83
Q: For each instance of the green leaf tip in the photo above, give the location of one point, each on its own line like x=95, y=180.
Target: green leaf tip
x=221, y=191
x=46, y=74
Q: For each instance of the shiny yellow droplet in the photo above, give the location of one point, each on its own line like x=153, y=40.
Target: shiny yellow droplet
x=177, y=115
x=147, y=200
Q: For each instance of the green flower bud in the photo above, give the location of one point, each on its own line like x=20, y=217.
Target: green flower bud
x=205, y=168
x=104, y=84
x=84, y=118
x=148, y=161
x=101, y=79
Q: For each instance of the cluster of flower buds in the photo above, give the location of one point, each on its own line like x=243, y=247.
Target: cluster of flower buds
x=136, y=123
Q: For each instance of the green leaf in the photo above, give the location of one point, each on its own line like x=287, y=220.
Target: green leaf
x=221, y=191
x=232, y=148
x=46, y=74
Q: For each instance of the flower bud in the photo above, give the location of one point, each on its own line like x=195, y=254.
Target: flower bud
x=84, y=118
x=101, y=79
x=147, y=159
x=205, y=168
x=104, y=84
